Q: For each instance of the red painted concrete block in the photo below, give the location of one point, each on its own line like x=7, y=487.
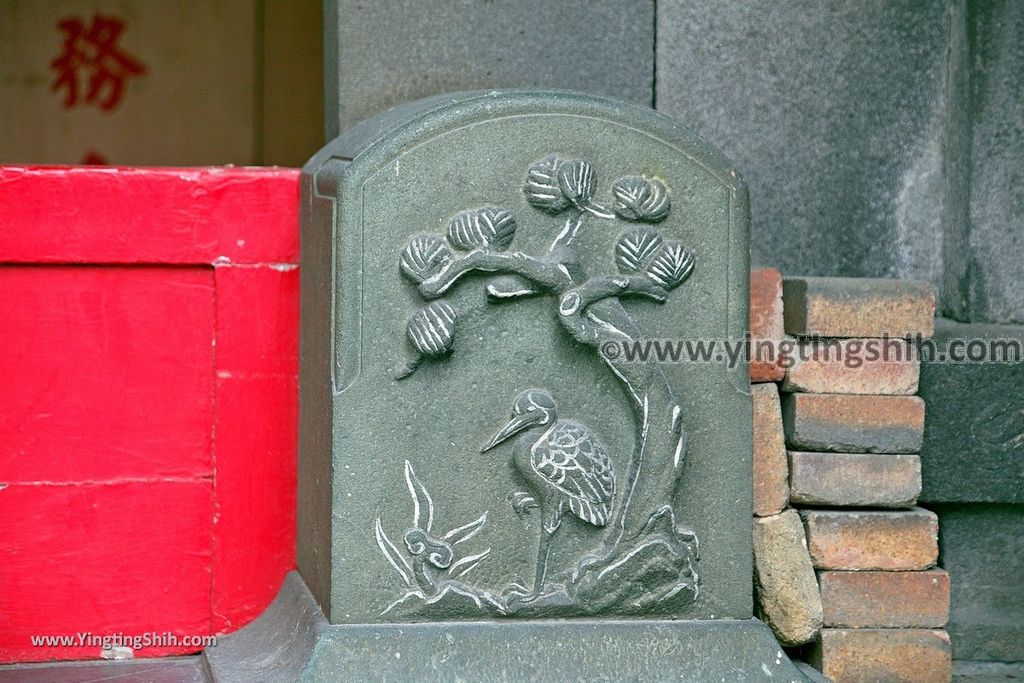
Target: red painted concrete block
x=148, y=215
x=258, y=320
x=257, y=377
x=106, y=372
x=147, y=445
x=126, y=557
x=255, y=486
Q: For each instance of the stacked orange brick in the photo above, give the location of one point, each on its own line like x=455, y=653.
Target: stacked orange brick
x=845, y=562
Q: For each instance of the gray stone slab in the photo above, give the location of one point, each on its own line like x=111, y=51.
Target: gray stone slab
x=380, y=54
x=475, y=151
x=556, y=651
x=277, y=646
x=981, y=549
x=158, y=670
x=731, y=650
x=812, y=674
x=973, y=448
x=847, y=119
x=472, y=266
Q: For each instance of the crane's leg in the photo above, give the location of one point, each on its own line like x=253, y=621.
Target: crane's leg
x=542, y=562
x=552, y=518
x=551, y=522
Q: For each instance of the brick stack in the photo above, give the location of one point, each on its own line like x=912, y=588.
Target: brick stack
x=838, y=451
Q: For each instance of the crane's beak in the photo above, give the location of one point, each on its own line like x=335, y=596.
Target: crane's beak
x=517, y=424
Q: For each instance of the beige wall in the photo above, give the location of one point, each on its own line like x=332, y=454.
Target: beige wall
x=293, y=101
x=225, y=82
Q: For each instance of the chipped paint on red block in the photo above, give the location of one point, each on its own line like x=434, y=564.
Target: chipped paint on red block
x=147, y=483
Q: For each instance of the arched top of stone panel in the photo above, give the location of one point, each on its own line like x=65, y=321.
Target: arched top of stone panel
x=387, y=135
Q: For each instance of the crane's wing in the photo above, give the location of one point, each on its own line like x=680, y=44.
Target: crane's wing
x=572, y=460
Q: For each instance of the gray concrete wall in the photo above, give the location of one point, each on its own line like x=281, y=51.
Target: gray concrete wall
x=379, y=53
x=879, y=138
x=992, y=266
x=839, y=114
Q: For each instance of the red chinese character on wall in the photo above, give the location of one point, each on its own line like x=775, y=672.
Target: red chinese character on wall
x=93, y=51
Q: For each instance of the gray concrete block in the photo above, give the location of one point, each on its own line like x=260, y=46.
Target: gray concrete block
x=980, y=547
x=973, y=449
x=380, y=54
x=275, y=648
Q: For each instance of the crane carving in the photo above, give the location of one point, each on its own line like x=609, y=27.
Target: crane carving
x=565, y=464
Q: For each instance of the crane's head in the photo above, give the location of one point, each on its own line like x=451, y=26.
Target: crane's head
x=533, y=408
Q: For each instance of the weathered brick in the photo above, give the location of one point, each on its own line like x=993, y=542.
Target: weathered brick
x=885, y=599
x=883, y=655
x=849, y=423
x=857, y=307
x=889, y=540
x=771, y=467
x=787, y=591
x=853, y=366
x=854, y=479
x=766, y=325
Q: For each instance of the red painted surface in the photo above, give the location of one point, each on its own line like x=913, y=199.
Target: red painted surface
x=86, y=214
x=257, y=422
x=115, y=558
x=254, y=543
x=147, y=439
x=258, y=331
x=105, y=372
